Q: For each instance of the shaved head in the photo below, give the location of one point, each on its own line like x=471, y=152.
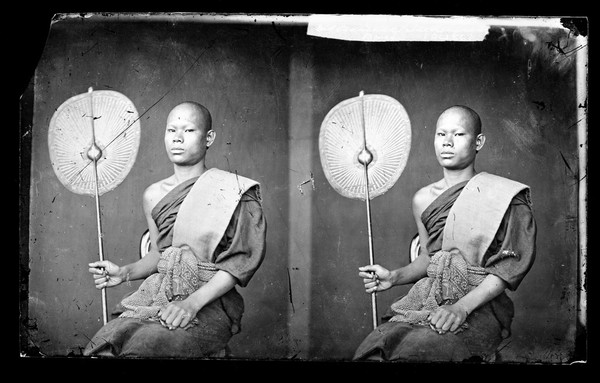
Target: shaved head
x=198, y=112
x=463, y=116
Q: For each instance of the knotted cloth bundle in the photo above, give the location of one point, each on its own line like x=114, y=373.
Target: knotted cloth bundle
x=179, y=275
x=449, y=278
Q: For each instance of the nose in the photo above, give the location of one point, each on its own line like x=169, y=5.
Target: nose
x=447, y=140
x=177, y=138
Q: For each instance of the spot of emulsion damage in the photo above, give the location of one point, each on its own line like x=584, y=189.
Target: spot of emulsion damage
x=311, y=180
x=290, y=290
x=509, y=254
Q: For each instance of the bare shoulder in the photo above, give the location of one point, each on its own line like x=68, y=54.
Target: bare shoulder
x=155, y=192
x=426, y=195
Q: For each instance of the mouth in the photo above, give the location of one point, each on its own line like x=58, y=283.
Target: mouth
x=446, y=154
x=177, y=150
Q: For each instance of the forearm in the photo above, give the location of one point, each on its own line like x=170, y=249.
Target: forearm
x=140, y=269
x=411, y=272
x=218, y=285
x=490, y=288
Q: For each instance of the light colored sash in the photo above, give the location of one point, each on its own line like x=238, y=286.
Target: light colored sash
x=476, y=215
x=456, y=269
x=206, y=211
x=201, y=222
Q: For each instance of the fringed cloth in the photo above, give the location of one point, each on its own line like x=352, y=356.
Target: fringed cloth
x=179, y=275
x=450, y=278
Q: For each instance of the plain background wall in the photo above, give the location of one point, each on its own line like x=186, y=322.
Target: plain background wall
x=241, y=72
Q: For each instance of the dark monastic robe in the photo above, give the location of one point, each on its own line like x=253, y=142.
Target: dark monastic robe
x=509, y=256
x=240, y=252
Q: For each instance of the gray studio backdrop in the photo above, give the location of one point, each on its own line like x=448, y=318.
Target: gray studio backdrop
x=268, y=87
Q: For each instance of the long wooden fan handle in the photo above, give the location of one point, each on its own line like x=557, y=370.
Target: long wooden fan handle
x=94, y=153
x=365, y=157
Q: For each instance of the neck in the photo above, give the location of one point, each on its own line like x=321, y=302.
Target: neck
x=453, y=177
x=185, y=172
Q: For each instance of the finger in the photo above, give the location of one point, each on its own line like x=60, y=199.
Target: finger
x=369, y=275
x=177, y=320
x=101, y=285
x=172, y=316
x=366, y=275
x=101, y=278
x=437, y=319
x=98, y=264
x=455, y=325
x=368, y=268
x=96, y=271
x=443, y=318
x=164, y=313
x=448, y=323
x=440, y=317
x=185, y=319
x=434, y=317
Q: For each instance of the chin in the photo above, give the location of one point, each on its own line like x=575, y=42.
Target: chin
x=447, y=162
x=178, y=161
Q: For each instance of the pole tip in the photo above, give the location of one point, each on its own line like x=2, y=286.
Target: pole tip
x=90, y=89
x=361, y=93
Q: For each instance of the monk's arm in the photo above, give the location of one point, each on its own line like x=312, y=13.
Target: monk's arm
x=236, y=265
x=147, y=265
x=411, y=272
x=180, y=313
x=378, y=278
x=450, y=317
x=108, y=274
x=141, y=268
x=418, y=268
x=488, y=289
x=216, y=287
x=244, y=255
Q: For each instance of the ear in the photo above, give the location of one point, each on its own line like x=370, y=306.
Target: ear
x=210, y=137
x=479, y=142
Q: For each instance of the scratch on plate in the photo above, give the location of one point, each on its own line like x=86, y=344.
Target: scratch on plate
x=311, y=180
x=290, y=290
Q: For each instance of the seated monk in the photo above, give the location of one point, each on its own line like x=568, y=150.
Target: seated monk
x=477, y=233
x=207, y=232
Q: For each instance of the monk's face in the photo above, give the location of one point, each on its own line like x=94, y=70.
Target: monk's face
x=187, y=136
x=456, y=143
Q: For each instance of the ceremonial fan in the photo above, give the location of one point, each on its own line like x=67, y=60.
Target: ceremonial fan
x=364, y=144
x=93, y=140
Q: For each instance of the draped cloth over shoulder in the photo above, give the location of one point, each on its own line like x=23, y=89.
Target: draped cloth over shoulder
x=476, y=215
x=470, y=226
x=205, y=225
x=188, y=264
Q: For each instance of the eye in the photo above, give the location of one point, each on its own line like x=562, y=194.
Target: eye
x=459, y=134
x=170, y=130
x=190, y=130
x=440, y=134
